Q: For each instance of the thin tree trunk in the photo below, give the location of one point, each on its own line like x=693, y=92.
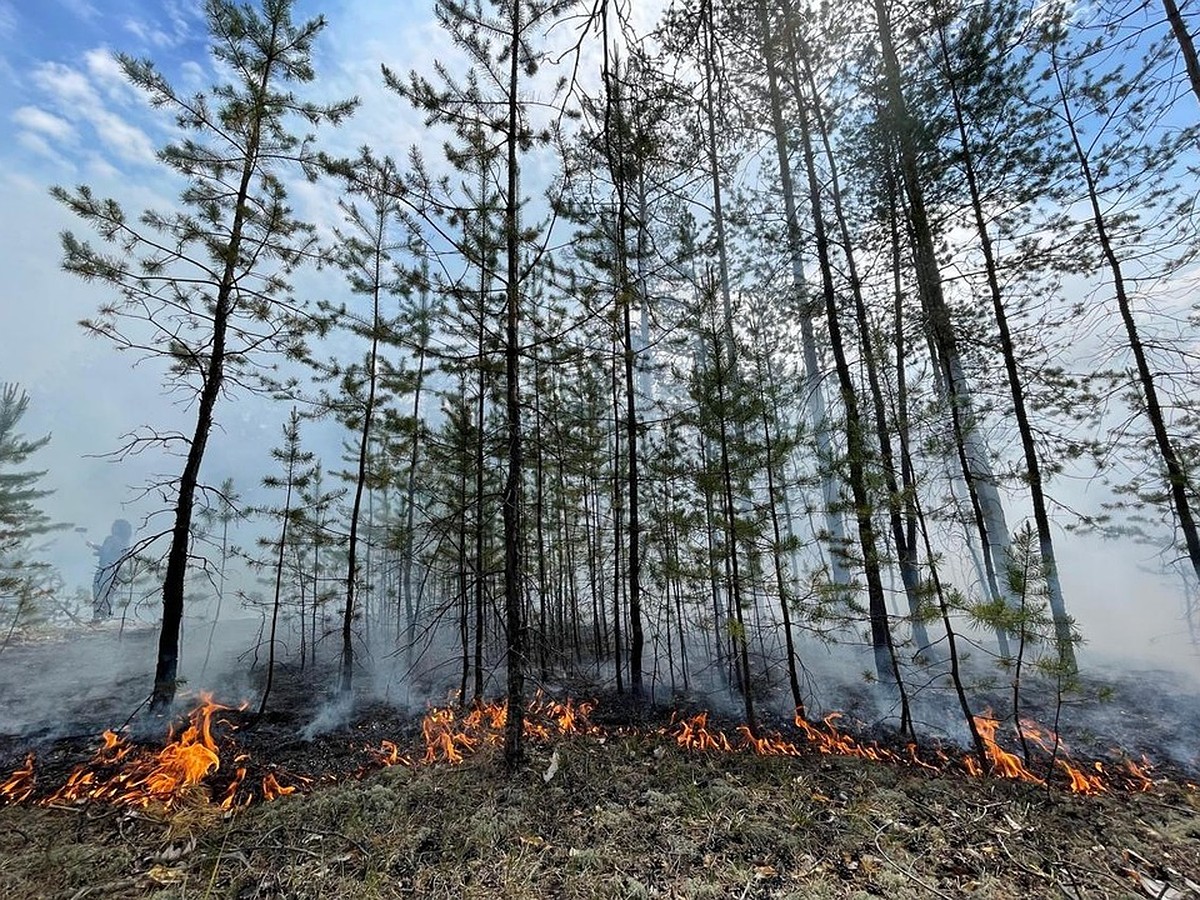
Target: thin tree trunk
x=166, y=671
x=410, y=494
x=886, y=665
x=741, y=639
x=1058, y=608
x=908, y=562
x=904, y=552
x=1186, y=46
x=616, y=120
x=780, y=581
x=817, y=413
x=618, y=523
x=951, y=644
x=711, y=548
x=539, y=510
x=972, y=453
x=636, y=637
x=464, y=593
x=287, y=510
x=514, y=627
x=363, y=452
x=1178, y=483
x=212, y=632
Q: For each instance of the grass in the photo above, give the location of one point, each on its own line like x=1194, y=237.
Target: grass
x=630, y=817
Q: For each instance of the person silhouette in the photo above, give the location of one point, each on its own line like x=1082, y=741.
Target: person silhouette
x=111, y=554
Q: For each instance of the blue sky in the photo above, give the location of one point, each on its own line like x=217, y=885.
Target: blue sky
x=67, y=117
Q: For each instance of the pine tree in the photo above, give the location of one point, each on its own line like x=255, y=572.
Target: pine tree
x=366, y=251
x=22, y=519
x=296, y=475
x=221, y=515
x=203, y=287
x=498, y=38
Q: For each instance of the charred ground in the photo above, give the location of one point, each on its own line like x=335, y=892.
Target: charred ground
x=628, y=813
x=632, y=816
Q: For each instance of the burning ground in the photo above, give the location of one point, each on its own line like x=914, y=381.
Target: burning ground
x=613, y=802
x=633, y=815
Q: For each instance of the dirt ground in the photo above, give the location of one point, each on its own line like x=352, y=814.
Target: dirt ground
x=619, y=816
x=626, y=817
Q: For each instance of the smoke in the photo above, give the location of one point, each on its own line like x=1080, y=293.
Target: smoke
x=83, y=680
x=86, y=680
x=334, y=715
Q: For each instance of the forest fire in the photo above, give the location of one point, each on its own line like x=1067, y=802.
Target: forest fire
x=189, y=768
x=124, y=774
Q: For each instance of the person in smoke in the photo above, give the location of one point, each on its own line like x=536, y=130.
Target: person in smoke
x=111, y=554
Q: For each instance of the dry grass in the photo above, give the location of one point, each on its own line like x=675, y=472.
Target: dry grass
x=627, y=818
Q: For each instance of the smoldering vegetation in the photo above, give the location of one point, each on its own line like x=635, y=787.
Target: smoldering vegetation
x=775, y=402
x=62, y=687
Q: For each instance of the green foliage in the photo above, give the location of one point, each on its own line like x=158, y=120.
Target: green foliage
x=1028, y=618
x=219, y=262
x=23, y=581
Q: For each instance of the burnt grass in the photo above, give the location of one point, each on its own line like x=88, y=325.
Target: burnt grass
x=631, y=815
x=627, y=817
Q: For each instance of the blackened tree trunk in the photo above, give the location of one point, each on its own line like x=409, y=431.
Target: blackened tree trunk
x=1178, y=484
x=1033, y=470
x=166, y=671
x=514, y=628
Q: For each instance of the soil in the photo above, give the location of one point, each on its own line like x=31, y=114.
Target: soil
x=627, y=815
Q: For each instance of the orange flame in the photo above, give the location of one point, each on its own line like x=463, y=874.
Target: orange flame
x=146, y=778
x=694, y=734
x=123, y=774
x=1138, y=774
x=272, y=789
x=388, y=754
x=19, y=786
x=1003, y=763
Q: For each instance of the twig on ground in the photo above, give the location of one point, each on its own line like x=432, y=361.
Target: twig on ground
x=903, y=870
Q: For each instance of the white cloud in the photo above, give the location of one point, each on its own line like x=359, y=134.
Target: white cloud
x=100, y=168
x=103, y=67
x=194, y=76
x=68, y=86
x=77, y=98
x=38, y=120
x=149, y=34
x=182, y=16
x=128, y=141
x=81, y=9
x=38, y=145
